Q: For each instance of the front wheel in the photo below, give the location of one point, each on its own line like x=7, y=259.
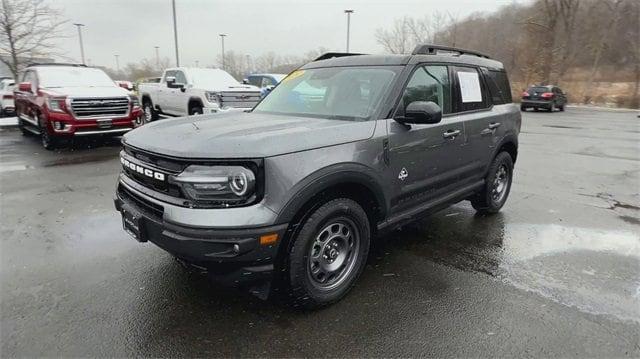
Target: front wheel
x=496, y=187
x=329, y=253
x=150, y=113
x=48, y=141
x=195, y=110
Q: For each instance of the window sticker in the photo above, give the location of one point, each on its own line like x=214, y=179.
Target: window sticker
x=293, y=75
x=469, y=87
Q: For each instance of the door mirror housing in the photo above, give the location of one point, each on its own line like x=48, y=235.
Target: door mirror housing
x=24, y=87
x=421, y=112
x=171, y=83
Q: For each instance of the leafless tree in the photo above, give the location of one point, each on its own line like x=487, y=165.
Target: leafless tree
x=28, y=29
x=407, y=32
x=600, y=43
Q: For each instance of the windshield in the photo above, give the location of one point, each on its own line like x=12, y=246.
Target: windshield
x=349, y=93
x=73, y=77
x=212, y=78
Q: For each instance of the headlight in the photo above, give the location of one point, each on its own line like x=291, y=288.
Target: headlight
x=135, y=103
x=212, y=97
x=217, y=185
x=56, y=104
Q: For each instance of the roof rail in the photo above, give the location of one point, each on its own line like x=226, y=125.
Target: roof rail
x=55, y=64
x=427, y=49
x=330, y=55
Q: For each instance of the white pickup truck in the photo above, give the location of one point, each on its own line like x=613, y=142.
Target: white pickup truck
x=186, y=91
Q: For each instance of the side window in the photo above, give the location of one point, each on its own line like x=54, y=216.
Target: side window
x=255, y=81
x=170, y=73
x=471, y=93
x=30, y=77
x=266, y=81
x=498, y=84
x=429, y=83
x=181, y=78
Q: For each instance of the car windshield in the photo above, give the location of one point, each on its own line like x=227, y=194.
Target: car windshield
x=73, y=77
x=346, y=93
x=212, y=78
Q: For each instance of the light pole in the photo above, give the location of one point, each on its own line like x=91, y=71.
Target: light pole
x=117, y=63
x=222, y=38
x=157, y=57
x=348, y=12
x=175, y=31
x=80, y=38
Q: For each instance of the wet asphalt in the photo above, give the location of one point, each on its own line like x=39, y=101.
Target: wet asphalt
x=556, y=273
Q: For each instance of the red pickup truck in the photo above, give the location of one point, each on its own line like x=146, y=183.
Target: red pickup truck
x=57, y=101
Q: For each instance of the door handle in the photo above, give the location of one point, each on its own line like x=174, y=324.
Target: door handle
x=451, y=134
x=493, y=125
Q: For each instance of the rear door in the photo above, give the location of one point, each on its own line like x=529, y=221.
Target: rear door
x=165, y=93
x=482, y=115
x=424, y=158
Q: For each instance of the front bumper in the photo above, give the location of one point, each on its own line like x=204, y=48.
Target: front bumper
x=230, y=256
x=90, y=127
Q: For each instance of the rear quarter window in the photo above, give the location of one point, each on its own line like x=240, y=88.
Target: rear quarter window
x=499, y=88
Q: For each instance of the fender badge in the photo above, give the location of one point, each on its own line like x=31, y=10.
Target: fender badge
x=403, y=174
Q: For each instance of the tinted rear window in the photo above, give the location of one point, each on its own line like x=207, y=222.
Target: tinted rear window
x=539, y=89
x=499, y=87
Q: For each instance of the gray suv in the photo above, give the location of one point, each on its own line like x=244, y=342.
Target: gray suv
x=291, y=194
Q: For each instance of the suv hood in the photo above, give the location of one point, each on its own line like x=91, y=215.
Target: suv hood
x=82, y=92
x=244, y=135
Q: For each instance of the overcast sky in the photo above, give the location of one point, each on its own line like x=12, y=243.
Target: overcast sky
x=131, y=28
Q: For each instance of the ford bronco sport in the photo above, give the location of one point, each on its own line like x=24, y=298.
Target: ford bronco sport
x=343, y=149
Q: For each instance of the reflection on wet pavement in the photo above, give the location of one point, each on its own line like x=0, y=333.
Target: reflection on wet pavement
x=595, y=270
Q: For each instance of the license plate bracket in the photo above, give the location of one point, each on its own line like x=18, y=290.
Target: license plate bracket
x=133, y=223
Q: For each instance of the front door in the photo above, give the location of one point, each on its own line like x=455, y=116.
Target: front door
x=424, y=158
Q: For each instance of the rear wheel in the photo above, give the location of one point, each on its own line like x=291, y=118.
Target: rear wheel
x=561, y=108
x=329, y=253
x=48, y=142
x=523, y=109
x=497, y=185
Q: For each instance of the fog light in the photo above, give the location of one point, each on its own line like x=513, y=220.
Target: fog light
x=236, y=248
x=58, y=125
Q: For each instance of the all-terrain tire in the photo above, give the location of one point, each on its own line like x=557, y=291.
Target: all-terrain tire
x=497, y=185
x=339, y=220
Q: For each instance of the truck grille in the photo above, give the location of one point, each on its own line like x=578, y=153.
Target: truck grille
x=100, y=107
x=239, y=99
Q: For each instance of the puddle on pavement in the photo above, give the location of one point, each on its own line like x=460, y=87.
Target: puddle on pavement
x=14, y=166
x=594, y=270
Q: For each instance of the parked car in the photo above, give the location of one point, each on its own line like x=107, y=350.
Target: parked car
x=7, y=107
x=127, y=85
x=548, y=97
x=346, y=148
x=266, y=82
x=61, y=101
x=192, y=91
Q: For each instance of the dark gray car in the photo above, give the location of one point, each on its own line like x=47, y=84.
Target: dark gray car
x=291, y=194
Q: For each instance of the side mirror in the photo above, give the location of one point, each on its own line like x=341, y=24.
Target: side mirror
x=245, y=81
x=421, y=112
x=24, y=87
x=170, y=80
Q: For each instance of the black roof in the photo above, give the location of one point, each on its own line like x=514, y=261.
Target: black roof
x=422, y=53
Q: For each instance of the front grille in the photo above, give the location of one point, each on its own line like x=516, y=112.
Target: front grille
x=239, y=99
x=100, y=107
x=146, y=206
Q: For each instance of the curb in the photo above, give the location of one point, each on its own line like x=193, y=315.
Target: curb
x=601, y=108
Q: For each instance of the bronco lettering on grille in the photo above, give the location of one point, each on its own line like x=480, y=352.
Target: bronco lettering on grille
x=142, y=170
